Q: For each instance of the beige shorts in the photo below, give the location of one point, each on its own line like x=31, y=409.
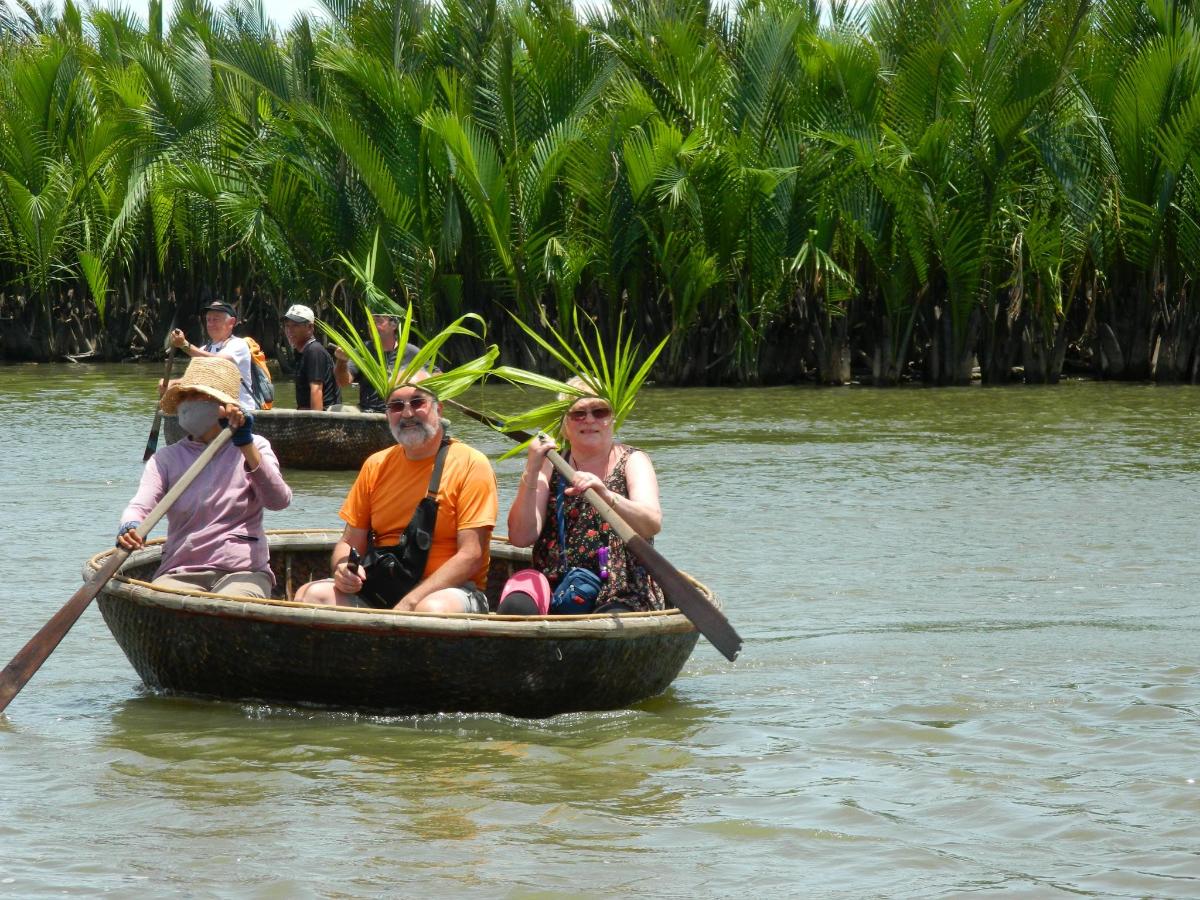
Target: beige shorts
x=473, y=600
x=256, y=585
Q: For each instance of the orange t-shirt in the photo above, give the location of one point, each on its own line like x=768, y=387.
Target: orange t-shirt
x=390, y=485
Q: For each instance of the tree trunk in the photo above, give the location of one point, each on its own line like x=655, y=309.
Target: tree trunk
x=1111, y=358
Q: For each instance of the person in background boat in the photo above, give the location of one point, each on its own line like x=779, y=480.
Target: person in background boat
x=624, y=478
x=215, y=538
x=316, y=387
x=344, y=370
x=417, y=553
x=220, y=318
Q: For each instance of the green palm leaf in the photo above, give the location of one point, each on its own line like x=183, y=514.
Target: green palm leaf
x=612, y=372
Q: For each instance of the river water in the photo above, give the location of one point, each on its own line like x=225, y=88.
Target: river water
x=970, y=668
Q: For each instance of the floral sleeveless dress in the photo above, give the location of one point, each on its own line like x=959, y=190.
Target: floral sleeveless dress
x=628, y=582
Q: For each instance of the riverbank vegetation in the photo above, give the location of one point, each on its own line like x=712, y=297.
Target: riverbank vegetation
x=907, y=190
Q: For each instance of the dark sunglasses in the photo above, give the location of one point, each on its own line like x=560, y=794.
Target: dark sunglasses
x=416, y=404
x=599, y=413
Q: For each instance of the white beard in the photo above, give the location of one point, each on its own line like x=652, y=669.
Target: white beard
x=412, y=435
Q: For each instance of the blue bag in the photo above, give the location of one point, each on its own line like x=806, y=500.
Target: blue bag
x=578, y=588
x=576, y=593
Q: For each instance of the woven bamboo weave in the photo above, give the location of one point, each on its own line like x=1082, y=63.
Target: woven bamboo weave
x=381, y=660
x=304, y=439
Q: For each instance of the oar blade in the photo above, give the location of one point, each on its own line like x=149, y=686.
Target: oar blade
x=30, y=657
x=152, y=441
x=686, y=597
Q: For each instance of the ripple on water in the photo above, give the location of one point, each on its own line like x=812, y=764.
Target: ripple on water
x=969, y=668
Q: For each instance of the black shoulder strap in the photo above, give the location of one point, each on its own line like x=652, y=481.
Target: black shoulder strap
x=435, y=480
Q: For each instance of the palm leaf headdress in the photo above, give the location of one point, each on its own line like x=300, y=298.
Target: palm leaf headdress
x=371, y=361
x=373, y=367
x=613, y=373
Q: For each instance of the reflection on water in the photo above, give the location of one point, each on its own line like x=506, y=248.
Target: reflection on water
x=970, y=666
x=445, y=778
x=582, y=757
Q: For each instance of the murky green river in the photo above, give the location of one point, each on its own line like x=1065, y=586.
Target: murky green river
x=971, y=667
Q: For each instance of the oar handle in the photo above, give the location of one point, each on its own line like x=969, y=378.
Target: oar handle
x=676, y=587
x=607, y=513
x=30, y=657
x=224, y=436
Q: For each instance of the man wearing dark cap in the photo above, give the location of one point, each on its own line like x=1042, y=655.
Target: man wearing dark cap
x=388, y=328
x=219, y=319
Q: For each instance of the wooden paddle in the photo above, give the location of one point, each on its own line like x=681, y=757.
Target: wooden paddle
x=152, y=441
x=677, y=588
x=42, y=644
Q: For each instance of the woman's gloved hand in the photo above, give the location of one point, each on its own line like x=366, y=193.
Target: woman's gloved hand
x=127, y=536
x=241, y=422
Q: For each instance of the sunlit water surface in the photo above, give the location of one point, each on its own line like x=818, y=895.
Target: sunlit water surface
x=970, y=668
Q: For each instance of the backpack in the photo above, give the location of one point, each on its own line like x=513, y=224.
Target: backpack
x=261, y=386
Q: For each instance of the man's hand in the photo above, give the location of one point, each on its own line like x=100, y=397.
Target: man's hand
x=178, y=339
x=346, y=581
x=341, y=367
x=409, y=601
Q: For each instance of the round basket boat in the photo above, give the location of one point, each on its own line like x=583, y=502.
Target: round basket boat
x=306, y=439
x=277, y=650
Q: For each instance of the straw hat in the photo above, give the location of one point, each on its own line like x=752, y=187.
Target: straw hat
x=213, y=377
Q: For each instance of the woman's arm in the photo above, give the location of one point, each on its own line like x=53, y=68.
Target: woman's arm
x=527, y=515
x=641, y=508
x=151, y=489
x=267, y=479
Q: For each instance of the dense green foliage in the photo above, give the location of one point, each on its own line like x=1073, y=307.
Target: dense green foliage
x=912, y=188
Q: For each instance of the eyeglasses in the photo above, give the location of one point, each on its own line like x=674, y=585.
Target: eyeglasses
x=416, y=404
x=599, y=413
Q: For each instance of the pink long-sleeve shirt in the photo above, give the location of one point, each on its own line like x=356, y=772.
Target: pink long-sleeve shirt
x=217, y=523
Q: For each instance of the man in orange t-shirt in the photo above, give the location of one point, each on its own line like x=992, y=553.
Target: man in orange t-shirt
x=385, y=497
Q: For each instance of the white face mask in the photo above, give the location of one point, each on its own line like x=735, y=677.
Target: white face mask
x=197, y=417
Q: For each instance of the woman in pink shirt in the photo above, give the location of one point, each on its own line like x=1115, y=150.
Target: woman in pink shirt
x=215, y=538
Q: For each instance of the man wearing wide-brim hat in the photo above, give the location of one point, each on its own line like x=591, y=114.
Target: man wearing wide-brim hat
x=220, y=318
x=215, y=537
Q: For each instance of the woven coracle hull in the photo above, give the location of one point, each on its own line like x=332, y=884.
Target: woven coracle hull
x=303, y=439
x=385, y=661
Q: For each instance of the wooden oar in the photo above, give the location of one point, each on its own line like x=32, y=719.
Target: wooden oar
x=42, y=644
x=709, y=620
x=152, y=441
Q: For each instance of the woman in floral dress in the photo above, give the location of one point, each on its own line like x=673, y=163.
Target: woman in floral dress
x=624, y=478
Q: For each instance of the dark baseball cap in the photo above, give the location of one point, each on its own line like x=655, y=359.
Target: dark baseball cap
x=222, y=306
